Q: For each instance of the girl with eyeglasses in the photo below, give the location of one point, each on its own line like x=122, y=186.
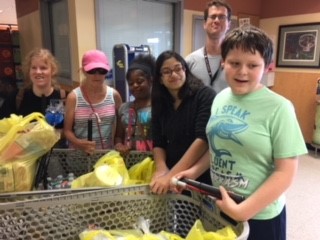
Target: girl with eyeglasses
x=180, y=111
x=91, y=108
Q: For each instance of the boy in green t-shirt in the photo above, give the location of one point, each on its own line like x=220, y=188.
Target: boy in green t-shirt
x=254, y=138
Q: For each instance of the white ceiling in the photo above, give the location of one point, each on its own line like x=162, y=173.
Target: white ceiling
x=8, y=13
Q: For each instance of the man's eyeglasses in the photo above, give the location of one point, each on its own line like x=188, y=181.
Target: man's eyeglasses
x=220, y=17
x=167, y=72
x=99, y=71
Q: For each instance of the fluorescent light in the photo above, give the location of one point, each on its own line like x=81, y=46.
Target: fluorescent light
x=153, y=40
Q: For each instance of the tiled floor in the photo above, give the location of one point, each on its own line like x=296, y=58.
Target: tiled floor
x=303, y=200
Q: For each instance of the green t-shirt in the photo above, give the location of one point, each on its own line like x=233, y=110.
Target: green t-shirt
x=246, y=133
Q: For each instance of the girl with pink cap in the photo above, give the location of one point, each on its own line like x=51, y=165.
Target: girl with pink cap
x=91, y=108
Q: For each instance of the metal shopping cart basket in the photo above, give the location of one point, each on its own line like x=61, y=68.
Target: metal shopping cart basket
x=66, y=216
x=64, y=161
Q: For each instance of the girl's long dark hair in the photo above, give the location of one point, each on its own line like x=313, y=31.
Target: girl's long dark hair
x=161, y=98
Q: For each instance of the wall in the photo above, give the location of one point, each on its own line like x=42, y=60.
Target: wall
x=82, y=33
x=276, y=8
x=297, y=84
x=252, y=7
x=25, y=7
x=81, y=27
x=263, y=8
x=300, y=88
x=28, y=15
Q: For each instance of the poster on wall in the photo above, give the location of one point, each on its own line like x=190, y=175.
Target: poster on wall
x=299, y=45
x=244, y=22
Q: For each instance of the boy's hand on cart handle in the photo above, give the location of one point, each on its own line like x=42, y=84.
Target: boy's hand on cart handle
x=176, y=185
x=228, y=205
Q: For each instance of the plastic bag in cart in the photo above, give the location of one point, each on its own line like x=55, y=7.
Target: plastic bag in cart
x=110, y=170
x=142, y=172
x=199, y=233
x=115, y=160
x=139, y=232
x=24, y=142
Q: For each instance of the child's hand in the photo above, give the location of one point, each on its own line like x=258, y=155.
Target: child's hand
x=87, y=146
x=124, y=150
x=161, y=184
x=173, y=186
x=189, y=173
x=227, y=205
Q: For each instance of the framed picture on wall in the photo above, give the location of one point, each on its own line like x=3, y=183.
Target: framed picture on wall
x=299, y=45
x=244, y=19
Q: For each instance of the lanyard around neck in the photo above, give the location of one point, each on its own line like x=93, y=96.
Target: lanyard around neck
x=215, y=75
x=90, y=119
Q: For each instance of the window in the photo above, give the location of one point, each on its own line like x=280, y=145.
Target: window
x=139, y=22
x=55, y=17
x=156, y=23
x=199, y=35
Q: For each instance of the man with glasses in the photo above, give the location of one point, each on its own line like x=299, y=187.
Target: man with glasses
x=205, y=63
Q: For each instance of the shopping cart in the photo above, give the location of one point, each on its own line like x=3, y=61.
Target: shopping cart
x=65, y=216
x=65, y=161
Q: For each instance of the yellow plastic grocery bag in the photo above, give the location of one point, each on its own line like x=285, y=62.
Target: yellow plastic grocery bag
x=126, y=235
x=7, y=123
x=169, y=236
x=114, y=160
x=199, y=233
x=109, y=171
x=95, y=234
x=142, y=171
x=20, y=148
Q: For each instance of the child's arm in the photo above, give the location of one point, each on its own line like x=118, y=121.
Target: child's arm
x=193, y=172
x=120, y=141
x=197, y=169
x=277, y=183
x=198, y=148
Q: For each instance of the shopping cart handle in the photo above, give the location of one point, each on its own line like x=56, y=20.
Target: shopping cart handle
x=206, y=189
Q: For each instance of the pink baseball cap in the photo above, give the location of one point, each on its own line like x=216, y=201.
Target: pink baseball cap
x=95, y=59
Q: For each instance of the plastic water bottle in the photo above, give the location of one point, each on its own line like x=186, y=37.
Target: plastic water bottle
x=49, y=183
x=40, y=187
x=58, y=182
x=70, y=179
